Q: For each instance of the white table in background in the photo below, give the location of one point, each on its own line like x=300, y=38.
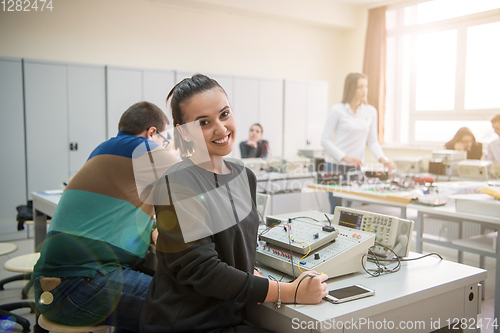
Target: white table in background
x=43, y=205
x=350, y=193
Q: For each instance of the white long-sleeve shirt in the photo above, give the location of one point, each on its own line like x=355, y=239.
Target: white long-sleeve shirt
x=494, y=151
x=353, y=131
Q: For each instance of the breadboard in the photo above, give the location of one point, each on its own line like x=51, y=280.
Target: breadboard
x=340, y=256
x=300, y=236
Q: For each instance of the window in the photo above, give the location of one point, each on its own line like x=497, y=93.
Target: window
x=443, y=70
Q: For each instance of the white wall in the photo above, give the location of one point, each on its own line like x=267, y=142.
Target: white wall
x=142, y=33
x=148, y=34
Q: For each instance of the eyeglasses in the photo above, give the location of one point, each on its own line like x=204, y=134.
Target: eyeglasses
x=165, y=140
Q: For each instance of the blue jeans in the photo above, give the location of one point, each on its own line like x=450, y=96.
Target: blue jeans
x=343, y=169
x=114, y=299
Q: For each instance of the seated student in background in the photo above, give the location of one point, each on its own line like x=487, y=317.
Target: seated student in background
x=493, y=153
x=465, y=140
x=254, y=146
x=87, y=272
x=208, y=224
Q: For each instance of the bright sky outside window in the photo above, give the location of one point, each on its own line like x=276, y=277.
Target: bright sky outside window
x=436, y=67
x=438, y=10
x=445, y=130
x=483, y=67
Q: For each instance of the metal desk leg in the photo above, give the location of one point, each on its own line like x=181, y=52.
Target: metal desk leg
x=496, y=311
x=460, y=255
x=419, y=228
x=482, y=264
x=403, y=212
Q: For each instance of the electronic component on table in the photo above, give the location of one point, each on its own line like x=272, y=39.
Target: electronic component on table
x=392, y=232
x=445, y=162
x=334, y=253
x=329, y=178
x=300, y=237
x=254, y=164
x=297, y=164
x=476, y=169
x=382, y=175
x=409, y=164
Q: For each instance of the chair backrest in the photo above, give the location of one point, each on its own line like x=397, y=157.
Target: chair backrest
x=262, y=206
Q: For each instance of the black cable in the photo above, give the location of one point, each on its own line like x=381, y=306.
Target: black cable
x=290, y=239
x=303, y=217
x=425, y=255
x=298, y=284
x=382, y=269
x=411, y=259
x=290, y=246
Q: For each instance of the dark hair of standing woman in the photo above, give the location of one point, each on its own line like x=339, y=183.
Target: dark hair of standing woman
x=180, y=94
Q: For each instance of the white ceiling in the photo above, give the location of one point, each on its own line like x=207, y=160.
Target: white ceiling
x=343, y=14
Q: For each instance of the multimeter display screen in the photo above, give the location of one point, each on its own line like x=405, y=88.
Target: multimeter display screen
x=347, y=292
x=350, y=220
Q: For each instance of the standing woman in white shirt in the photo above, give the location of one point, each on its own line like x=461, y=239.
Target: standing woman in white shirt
x=354, y=125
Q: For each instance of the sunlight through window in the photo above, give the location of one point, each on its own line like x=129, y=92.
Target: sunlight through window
x=436, y=68
x=438, y=10
x=482, y=83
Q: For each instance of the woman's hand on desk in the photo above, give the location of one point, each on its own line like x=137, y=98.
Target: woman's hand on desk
x=309, y=289
x=352, y=161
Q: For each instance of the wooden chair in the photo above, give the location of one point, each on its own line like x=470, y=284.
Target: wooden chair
x=55, y=327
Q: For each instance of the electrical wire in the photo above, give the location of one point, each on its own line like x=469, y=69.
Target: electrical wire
x=290, y=240
x=298, y=284
x=425, y=255
x=288, y=228
x=372, y=257
x=380, y=268
x=267, y=229
x=290, y=247
x=298, y=265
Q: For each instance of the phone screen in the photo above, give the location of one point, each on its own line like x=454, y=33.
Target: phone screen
x=347, y=292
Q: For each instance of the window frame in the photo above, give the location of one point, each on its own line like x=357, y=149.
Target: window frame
x=461, y=24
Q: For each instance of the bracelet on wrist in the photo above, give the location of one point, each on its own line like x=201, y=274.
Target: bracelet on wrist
x=277, y=304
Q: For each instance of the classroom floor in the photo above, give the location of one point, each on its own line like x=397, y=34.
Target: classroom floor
x=12, y=292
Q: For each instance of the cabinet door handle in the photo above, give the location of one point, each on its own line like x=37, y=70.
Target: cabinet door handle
x=73, y=146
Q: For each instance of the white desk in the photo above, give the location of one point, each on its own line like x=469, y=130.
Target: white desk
x=278, y=182
x=43, y=205
x=350, y=193
x=448, y=212
x=422, y=293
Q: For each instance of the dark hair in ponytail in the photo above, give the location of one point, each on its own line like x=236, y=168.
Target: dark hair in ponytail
x=180, y=94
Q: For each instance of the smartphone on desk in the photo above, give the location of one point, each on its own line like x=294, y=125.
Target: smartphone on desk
x=348, y=293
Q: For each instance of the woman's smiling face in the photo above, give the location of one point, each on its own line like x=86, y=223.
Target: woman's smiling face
x=210, y=111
